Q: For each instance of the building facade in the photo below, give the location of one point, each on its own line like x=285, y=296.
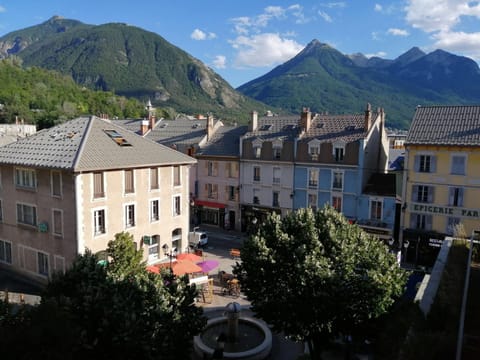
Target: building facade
x=442, y=178
x=76, y=185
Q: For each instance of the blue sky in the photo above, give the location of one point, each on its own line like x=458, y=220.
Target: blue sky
x=244, y=39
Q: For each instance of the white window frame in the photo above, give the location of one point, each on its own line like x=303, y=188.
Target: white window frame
x=337, y=195
x=3, y=252
x=312, y=200
x=152, y=212
x=378, y=202
x=341, y=147
x=277, y=174
x=176, y=211
x=313, y=175
x=255, y=196
x=104, y=186
x=53, y=173
x=96, y=224
x=125, y=190
x=175, y=169
x=46, y=263
x=455, y=196
x=257, y=177
x=54, y=223
x=59, y=263
x=342, y=173
x=276, y=194
x=314, y=149
x=22, y=220
x=151, y=185
x=130, y=222
x=257, y=148
x=452, y=163
x=25, y=178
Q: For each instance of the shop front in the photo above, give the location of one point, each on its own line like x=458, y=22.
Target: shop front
x=209, y=212
x=420, y=248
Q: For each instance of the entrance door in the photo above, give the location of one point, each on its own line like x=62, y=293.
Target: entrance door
x=231, y=218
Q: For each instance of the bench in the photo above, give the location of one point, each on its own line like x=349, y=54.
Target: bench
x=235, y=253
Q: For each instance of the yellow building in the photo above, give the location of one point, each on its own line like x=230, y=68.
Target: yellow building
x=442, y=178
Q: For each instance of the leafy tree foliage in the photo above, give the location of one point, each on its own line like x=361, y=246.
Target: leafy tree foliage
x=314, y=276
x=117, y=311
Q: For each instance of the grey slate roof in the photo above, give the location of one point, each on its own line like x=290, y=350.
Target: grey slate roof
x=445, y=125
x=82, y=145
x=180, y=131
x=225, y=142
x=331, y=128
x=273, y=127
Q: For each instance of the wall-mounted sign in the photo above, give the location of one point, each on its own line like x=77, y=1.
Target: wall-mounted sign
x=445, y=210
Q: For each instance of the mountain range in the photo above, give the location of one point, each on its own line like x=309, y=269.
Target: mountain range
x=136, y=63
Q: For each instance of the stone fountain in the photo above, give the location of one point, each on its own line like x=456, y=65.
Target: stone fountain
x=233, y=336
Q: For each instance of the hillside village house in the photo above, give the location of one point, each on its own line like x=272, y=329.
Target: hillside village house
x=442, y=178
x=76, y=185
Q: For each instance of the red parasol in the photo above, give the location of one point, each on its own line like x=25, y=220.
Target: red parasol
x=189, y=256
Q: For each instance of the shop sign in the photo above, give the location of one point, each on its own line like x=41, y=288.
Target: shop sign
x=435, y=242
x=446, y=210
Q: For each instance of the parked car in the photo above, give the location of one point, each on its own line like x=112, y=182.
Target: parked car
x=197, y=238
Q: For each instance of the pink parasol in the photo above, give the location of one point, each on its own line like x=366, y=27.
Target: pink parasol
x=208, y=265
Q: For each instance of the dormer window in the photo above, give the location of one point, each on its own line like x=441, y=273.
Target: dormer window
x=339, y=151
x=314, y=149
x=257, y=148
x=277, y=148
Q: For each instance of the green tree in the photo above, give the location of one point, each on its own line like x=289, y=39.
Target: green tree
x=315, y=276
x=116, y=311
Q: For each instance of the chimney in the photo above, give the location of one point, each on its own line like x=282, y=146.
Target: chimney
x=368, y=117
x=254, y=121
x=306, y=119
x=209, y=127
x=151, y=121
x=143, y=127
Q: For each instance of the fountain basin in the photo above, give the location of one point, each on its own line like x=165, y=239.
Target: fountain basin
x=254, y=339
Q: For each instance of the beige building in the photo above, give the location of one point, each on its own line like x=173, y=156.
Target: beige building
x=76, y=185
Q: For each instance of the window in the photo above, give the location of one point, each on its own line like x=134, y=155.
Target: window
x=458, y=164
x=257, y=150
x=231, y=193
x=339, y=152
x=98, y=186
x=256, y=173
x=312, y=201
x=423, y=193
x=177, y=209
x=212, y=191
x=42, y=260
x=25, y=178
x=425, y=163
x=1, y=211
x=129, y=215
x=337, y=180
x=276, y=175
x=455, y=196
x=256, y=199
x=154, y=210
x=99, y=222
x=451, y=225
x=275, y=197
x=176, y=176
x=27, y=214
x=153, y=248
x=5, y=252
x=232, y=169
x=421, y=221
x=210, y=168
x=57, y=220
x=313, y=178
x=277, y=152
x=337, y=202
x=56, y=183
x=376, y=209
x=154, y=183
x=59, y=263
x=129, y=181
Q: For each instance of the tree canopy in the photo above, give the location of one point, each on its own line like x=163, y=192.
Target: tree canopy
x=314, y=276
x=117, y=311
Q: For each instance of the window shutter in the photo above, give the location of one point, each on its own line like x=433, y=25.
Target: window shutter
x=451, y=195
x=236, y=169
x=428, y=222
x=460, y=197
x=413, y=221
x=415, y=193
x=417, y=163
x=431, y=191
x=433, y=164
x=215, y=191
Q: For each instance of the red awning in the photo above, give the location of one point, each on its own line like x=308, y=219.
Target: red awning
x=209, y=204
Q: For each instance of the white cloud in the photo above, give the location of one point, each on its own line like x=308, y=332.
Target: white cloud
x=397, y=32
x=378, y=8
x=265, y=49
x=325, y=16
x=220, y=62
x=440, y=18
x=338, y=4
x=380, y=54
x=2, y=9
x=198, y=34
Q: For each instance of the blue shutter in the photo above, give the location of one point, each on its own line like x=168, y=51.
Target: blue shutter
x=415, y=193
x=431, y=191
x=460, y=197
x=428, y=222
x=416, y=166
x=433, y=164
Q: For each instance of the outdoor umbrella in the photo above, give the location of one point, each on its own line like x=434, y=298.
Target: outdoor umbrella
x=182, y=267
x=189, y=256
x=153, y=269
x=208, y=265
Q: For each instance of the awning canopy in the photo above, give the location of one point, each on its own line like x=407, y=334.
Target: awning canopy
x=209, y=204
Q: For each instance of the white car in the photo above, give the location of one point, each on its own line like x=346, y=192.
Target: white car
x=197, y=238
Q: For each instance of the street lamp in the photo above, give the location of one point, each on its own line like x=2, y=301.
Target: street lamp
x=406, y=243
x=169, y=253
